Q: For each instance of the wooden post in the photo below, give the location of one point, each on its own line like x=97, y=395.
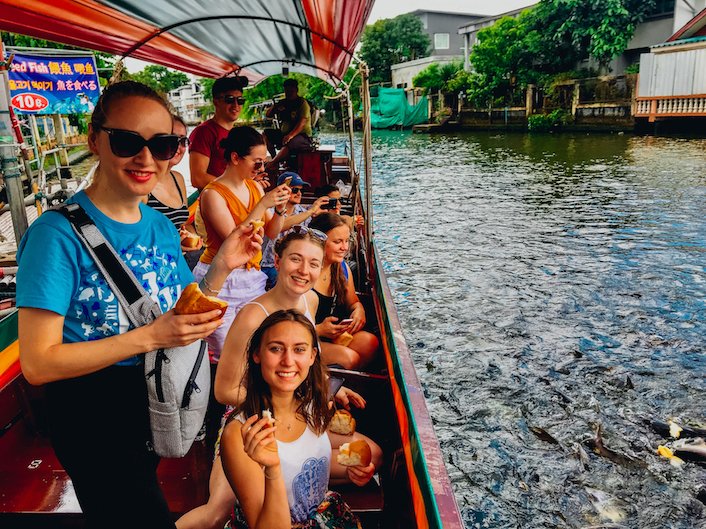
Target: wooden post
x=9, y=164
x=60, y=138
x=529, y=100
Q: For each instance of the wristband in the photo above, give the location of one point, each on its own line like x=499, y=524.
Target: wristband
x=208, y=287
x=280, y=213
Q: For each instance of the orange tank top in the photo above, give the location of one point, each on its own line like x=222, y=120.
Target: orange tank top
x=239, y=211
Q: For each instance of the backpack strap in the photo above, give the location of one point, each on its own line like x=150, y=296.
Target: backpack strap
x=139, y=306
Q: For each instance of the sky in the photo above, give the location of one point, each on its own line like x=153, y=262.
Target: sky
x=392, y=8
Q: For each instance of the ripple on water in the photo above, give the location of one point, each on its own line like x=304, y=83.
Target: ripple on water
x=552, y=283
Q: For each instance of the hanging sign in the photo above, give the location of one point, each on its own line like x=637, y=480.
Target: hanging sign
x=53, y=84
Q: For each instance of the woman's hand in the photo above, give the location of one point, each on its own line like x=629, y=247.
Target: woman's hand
x=316, y=206
x=240, y=246
x=257, y=434
x=345, y=397
x=276, y=198
x=173, y=330
x=329, y=328
x=263, y=179
x=360, y=475
x=358, y=317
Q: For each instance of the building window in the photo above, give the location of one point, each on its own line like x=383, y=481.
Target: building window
x=661, y=8
x=441, y=41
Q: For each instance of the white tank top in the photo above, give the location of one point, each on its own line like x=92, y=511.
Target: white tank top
x=306, y=466
x=307, y=313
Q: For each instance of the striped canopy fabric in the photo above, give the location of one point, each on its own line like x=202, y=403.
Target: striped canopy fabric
x=208, y=38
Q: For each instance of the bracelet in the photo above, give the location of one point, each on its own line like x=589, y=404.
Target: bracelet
x=280, y=213
x=271, y=478
x=208, y=287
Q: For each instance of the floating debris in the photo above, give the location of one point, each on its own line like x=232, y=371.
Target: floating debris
x=668, y=454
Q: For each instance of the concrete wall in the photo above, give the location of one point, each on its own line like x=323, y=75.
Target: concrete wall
x=404, y=72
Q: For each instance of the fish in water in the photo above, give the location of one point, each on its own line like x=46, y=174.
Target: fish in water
x=691, y=450
x=596, y=444
x=673, y=429
x=607, y=508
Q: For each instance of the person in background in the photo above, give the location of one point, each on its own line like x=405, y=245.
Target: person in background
x=289, y=485
x=295, y=214
x=338, y=300
x=294, y=135
x=331, y=191
x=207, y=159
x=88, y=358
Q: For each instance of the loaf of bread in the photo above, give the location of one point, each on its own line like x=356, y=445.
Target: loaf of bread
x=343, y=339
x=193, y=301
x=342, y=423
x=354, y=453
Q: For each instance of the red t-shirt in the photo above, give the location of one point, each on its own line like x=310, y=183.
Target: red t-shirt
x=206, y=139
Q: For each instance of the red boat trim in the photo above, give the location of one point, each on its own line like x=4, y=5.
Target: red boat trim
x=421, y=447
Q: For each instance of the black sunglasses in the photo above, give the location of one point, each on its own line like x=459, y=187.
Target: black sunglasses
x=229, y=100
x=296, y=190
x=126, y=144
x=184, y=141
x=298, y=228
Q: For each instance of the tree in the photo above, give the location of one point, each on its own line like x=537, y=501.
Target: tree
x=437, y=77
x=161, y=79
x=390, y=41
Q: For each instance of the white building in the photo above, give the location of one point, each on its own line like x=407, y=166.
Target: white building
x=187, y=100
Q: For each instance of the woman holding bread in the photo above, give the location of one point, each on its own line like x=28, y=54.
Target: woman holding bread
x=298, y=259
x=85, y=353
x=340, y=316
x=280, y=469
x=235, y=199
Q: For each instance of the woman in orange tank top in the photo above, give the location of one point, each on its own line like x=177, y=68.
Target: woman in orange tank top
x=229, y=201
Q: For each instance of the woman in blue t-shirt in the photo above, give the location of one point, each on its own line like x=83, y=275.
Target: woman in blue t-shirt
x=74, y=336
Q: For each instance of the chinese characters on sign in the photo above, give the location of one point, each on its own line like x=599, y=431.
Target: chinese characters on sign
x=53, y=85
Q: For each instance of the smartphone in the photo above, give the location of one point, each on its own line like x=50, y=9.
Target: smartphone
x=334, y=384
x=347, y=321
x=331, y=204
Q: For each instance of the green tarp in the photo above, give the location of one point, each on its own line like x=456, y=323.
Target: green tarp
x=390, y=109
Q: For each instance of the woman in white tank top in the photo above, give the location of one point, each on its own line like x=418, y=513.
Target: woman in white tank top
x=280, y=469
x=298, y=259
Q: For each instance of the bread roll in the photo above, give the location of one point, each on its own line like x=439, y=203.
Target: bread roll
x=267, y=414
x=191, y=240
x=343, y=339
x=193, y=301
x=342, y=423
x=354, y=453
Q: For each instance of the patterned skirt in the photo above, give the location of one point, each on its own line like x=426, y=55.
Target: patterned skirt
x=332, y=513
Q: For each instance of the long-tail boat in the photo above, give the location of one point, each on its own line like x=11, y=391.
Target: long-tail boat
x=256, y=39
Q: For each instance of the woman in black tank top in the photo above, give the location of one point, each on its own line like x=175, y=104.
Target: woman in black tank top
x=169, y=195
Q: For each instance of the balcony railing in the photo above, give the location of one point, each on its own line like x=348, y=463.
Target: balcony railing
x=657, y=107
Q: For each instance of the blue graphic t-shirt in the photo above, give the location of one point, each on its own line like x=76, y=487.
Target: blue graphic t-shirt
x=56, y=272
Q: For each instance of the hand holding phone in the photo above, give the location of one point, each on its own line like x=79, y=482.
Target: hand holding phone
x=332, y=202
x=347, y=321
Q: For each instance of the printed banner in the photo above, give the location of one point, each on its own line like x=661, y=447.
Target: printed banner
x=53, y=85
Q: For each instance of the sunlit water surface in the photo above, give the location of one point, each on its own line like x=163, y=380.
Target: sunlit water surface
x=554, y=282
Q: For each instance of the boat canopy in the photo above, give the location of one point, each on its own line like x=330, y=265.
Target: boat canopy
x=256, y=38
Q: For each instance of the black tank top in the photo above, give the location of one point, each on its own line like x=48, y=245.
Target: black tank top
x=178, y=216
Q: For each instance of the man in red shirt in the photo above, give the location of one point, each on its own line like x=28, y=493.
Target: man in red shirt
x=206, y=156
